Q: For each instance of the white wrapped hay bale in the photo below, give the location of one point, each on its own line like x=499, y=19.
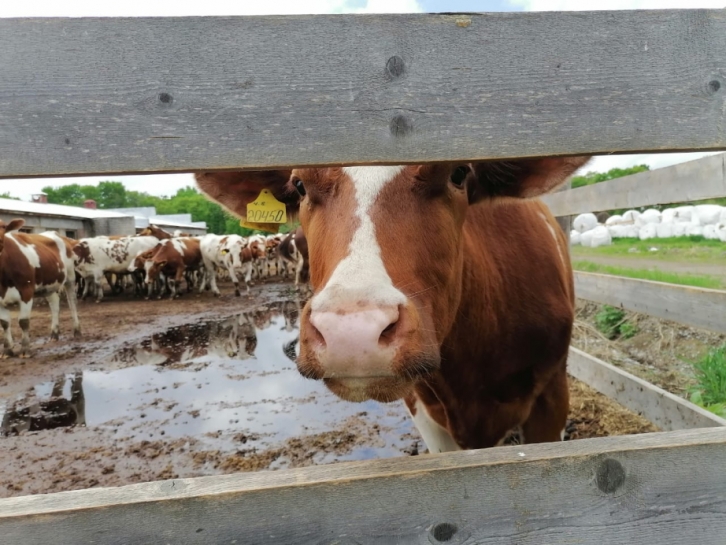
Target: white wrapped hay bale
x=631, y=216
x=708, y=214
x=664, y=230
x=722, y=218
x=614, y=220
x=694, y=230
x=721, y=231
x=668, y=215
x=632, y=231
x=679, y=228
x=584, y=222
x=709, y=232
x=600, y=237
x=618, y=231
x=574, y=237
x=586, y=238
x=647, y=231
x=650, y=216
x=683, y=213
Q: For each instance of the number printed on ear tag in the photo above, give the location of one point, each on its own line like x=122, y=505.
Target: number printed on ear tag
x=266, y=209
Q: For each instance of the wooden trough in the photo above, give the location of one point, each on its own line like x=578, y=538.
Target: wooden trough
x=105, y=96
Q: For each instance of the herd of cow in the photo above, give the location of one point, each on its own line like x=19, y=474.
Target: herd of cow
x=153, y=262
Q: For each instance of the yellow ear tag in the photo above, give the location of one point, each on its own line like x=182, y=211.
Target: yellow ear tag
x=265, y=213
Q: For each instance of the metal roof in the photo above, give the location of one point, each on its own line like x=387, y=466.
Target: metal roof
x=47, y=209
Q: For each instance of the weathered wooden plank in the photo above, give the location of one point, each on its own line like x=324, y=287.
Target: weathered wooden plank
x=112, y=95
x=697, y=307
x=665, y=410
x=701, y=179
x=653, y=489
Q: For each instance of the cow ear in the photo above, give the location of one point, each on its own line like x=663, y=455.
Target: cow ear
x=14, y=225
x=235, y=190
x=524, y=178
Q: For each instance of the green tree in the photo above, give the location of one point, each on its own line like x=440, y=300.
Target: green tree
x=111, y=195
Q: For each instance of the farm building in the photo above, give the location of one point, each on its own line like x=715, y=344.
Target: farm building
x=143, y=217
x=70, y=221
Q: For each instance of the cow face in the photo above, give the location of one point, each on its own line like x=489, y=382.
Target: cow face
x=387, y=264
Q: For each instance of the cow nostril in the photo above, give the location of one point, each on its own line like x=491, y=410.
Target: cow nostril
x=316, y=336
x=389, y=333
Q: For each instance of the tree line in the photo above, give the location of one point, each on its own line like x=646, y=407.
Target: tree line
x=187, y=200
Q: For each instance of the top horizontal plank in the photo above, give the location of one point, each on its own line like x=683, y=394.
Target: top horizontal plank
x=138, y=95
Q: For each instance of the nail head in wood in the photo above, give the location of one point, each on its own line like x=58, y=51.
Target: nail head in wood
x=165, y=98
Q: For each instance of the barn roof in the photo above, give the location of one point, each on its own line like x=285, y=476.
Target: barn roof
x=47, y=209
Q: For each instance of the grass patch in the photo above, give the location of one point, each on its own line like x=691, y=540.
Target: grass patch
x=611, y=322
x=710, y=389
x=692, y=247
x=699, y=281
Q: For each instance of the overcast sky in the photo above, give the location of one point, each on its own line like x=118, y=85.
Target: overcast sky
x=167, y=184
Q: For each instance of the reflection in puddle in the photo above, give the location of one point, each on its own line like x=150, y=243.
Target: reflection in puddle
x=221, y=382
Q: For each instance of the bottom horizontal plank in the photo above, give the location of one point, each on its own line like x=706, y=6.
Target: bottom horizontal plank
x=651, y=489
x=665, y=410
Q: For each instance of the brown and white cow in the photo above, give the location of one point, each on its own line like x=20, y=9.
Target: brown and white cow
x=30, y=266
x=177, y=258
x=294, y=250
x=445, y=285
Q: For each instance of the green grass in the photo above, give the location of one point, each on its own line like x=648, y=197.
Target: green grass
x=699, y=281
x=693, y=247
x=612, y=323
x=710, y=389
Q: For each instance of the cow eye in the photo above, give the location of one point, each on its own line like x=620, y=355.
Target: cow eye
x=300, y=187
x=459, y=176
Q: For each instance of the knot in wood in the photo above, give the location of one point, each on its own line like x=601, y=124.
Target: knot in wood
x=400, y=126
x=610, y=476
x=443, y=532
x=395, y=67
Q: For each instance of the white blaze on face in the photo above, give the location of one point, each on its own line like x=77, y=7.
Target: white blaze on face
x=361, y=275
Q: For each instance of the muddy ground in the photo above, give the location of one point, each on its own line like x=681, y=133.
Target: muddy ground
x=203, y=386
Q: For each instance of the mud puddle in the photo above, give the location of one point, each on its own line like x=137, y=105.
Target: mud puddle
x=228, y=384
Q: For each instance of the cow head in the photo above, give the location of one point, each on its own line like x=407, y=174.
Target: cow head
x=386, y=259
x=13, y=225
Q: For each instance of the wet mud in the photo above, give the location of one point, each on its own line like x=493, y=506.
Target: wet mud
x=201, y=386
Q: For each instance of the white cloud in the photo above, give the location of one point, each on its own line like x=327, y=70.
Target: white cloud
x=183, y=8
x=593, y=5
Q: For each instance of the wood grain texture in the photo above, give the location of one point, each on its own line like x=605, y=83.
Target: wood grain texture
x=653, y=489
x=665, y=410
x=697, y=307
x=701, y=179
x=125, y=95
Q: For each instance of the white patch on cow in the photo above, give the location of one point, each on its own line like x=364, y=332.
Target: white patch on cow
x=361, y=275
x=179, y=245
x=436, y=437
x=29, y=251
x=554, y=235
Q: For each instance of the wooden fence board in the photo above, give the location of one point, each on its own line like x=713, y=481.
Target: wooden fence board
x=136, y=95
x=697, y=180
x=697, y=307
x=652, y=489
x=665, y=410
